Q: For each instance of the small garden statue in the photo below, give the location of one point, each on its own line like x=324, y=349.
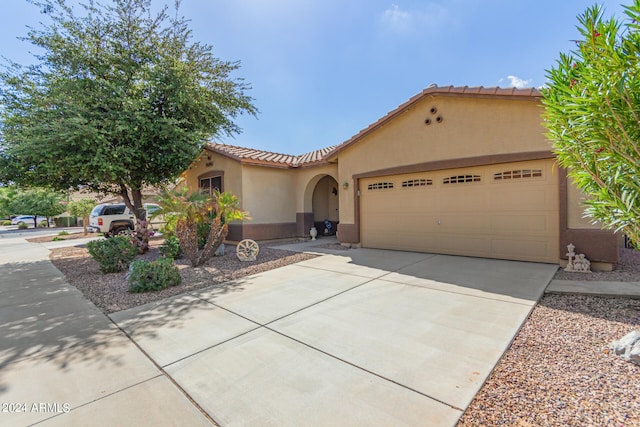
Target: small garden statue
x=577, y=263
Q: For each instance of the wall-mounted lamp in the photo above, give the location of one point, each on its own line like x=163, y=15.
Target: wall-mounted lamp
x=345, y=185
x=334, y=191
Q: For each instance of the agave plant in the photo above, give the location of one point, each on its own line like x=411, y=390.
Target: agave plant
x=188, y=209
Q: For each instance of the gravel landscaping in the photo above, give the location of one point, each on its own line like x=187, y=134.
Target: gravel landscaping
x=559, y=371
x=110, y=292
x=627, y=270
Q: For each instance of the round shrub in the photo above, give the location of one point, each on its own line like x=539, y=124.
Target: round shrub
x=42, y=224
x=152, y=275
x=113, y=254
x=6, y=222
x=170, y=248
x=22, y=225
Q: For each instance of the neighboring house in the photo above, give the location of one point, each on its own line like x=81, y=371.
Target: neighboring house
x=454, y=170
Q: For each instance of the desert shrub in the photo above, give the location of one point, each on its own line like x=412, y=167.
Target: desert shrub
x=170, y=248
x=43, y=224
x=152, y=275
x=6, y=222
x=23, y=226
x=58, y=239
x=63, y=233
x=113, y=254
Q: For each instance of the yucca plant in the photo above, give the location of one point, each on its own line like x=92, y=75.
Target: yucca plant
x=187, y=210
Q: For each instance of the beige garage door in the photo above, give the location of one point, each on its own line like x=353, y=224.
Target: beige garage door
x=507, y=211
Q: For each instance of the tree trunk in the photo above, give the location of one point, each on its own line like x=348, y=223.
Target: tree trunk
x=85, y=225
x=135, y=205
x=216, y=236
x=187, y=234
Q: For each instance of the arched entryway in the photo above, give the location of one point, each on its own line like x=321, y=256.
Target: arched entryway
x=325, y=206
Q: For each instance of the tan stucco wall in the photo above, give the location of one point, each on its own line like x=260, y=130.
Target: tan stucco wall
x=575, y=209
x=232, y=173
x=470, y=127
x=271, y=194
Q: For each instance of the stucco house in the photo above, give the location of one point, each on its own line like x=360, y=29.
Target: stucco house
x=454, y=170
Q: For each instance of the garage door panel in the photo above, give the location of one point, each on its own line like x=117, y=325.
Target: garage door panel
x=471, y=199
x=514, y=218
x=452, y=223
x=419, y=242
x=533, y=198
x=464, y=245
x=525, y=250
x=522, y=224
x=425, y=203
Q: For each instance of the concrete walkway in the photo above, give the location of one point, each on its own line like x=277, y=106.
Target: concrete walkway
x=355, y=337
x=604, y=289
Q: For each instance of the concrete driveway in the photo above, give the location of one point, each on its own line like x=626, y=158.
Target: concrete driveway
x=356, y=337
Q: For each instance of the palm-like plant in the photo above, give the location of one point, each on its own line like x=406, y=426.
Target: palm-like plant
x=188, y=209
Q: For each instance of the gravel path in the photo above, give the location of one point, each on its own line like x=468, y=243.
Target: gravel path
x=110, y=291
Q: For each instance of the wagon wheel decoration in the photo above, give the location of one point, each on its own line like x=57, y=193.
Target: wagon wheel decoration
x=247, y=250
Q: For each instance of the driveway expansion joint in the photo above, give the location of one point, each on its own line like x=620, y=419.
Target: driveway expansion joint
x=166, y=375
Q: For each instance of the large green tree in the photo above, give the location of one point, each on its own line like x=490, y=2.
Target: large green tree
x=38, y=202
x=120, y=98
x=592, y=111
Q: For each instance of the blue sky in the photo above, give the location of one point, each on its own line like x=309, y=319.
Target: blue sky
x=322, y=70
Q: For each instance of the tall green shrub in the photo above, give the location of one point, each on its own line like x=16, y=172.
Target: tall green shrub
x=592, y=111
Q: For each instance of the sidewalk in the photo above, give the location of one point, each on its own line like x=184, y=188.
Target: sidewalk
x=63, y=362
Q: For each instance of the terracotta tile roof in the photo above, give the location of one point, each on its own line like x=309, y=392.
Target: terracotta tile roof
x=267, y=158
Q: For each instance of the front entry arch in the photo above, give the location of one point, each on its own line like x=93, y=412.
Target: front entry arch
x=325, y=205
x=320, y=201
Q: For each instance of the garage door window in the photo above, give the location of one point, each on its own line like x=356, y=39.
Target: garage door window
x=416, y=183
x=459, y=179
x=517, y=174
x=380, y=185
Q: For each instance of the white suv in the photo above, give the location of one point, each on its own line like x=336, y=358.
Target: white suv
x=114, y=219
